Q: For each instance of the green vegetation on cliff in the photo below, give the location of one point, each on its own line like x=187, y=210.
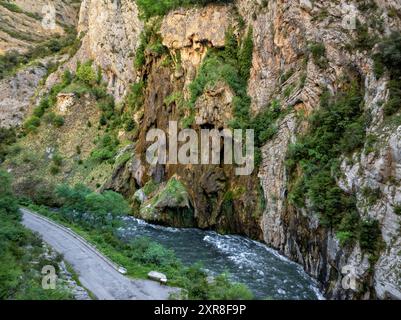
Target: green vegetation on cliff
x=7, y=138
x=388, y=59
x=337, y=128
x=232, y=66
x=12, y=60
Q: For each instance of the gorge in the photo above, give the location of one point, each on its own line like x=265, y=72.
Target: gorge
x=318, y=82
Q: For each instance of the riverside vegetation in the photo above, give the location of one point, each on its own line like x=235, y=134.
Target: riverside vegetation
x=96, y=217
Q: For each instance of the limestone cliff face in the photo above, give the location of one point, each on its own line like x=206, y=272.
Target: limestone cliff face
x=218, y=199
x=111, y=32
x=282, y=32
x=17, y=93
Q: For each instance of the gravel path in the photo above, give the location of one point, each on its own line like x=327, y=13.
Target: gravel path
x=96, y=272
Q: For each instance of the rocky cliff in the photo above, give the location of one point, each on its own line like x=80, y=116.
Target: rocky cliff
x=313, y=78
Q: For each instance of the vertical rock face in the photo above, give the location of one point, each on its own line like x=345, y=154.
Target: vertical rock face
x=282, y=31
x=110, y=33
x=192, y=32
x=283, y=70
x=17, y=91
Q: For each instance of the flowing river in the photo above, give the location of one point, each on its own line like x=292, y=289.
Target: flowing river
x=267, y=274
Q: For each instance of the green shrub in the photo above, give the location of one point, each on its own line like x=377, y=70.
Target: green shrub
x=57, y=160
x=245, y=55
x=365, y=39
x=31, y=124
x=40, y=110
x=7, y=138
x=344, y=237
x=91, y=209
x=198, y=287
x=388, y=58
x=264, y=123
x=12, y=60
x=54, y=170
x=370, y=236
x=19, y=277
x=86, y=74
x=371, y=195
x=58, y=121
x=318, y=51
x=223, y=289
x=393, y=105
x=52, y=118
x=106, y=148
x=158, y=255
x=77, y=88
x=397, y=209
x=135, y=97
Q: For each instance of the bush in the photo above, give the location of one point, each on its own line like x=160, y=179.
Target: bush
x=264, y=123
x=19, y=248
x=8, y=203
x=7, y=138
x=388, y=58
x=245, y=55
x=220, y=288
x=223, y=289
x=31, y=124
x=370, y=236
x=344, y=237
x=397, y=209
x=158, y=255
x=52, y=118
x=106, y=148
x=318, y=51
x=82, y=199
x=10, y=61
x=86, y=74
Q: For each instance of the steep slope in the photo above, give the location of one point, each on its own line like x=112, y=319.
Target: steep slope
x=21, y=22
x=29, y=51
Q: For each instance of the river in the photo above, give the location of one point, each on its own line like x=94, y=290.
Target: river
x=267, y=274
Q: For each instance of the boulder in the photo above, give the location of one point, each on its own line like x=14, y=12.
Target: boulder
x=157, y=276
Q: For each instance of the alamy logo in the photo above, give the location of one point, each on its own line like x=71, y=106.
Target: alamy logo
x=49, y=17
x=350, y=17
x=49, y=278
x=349, y=281
x=213, y=147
